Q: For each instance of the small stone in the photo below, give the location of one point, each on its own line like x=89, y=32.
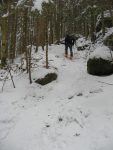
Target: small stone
x=79, y=94
x=77, y=134
x=60, y=119
x=47, y=125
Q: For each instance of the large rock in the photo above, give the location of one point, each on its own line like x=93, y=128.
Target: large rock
x=47, y=79
x=100, y=62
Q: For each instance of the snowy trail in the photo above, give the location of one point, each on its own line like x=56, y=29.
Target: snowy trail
x=73, y=112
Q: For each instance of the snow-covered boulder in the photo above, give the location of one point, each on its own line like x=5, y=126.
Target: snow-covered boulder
x=100, y=62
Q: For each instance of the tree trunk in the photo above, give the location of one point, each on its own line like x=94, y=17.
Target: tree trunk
x=4, y=41
x=47, y=44
x=103, y=25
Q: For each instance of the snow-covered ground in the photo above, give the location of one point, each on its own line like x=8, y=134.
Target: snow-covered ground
x=75, y=112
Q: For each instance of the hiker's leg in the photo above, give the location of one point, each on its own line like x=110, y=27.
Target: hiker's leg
x=71, y=52
x=66, y=50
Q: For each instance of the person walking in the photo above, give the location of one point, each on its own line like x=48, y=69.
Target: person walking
x=69, y=42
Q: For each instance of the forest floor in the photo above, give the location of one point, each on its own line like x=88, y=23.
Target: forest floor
x=75, y=112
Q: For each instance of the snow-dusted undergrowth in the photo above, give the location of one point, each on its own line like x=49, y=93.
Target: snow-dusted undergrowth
x=73, y=112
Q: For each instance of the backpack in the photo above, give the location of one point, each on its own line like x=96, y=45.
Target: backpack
x=72, y=40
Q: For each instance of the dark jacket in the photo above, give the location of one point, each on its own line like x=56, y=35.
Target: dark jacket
x=69, y=41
